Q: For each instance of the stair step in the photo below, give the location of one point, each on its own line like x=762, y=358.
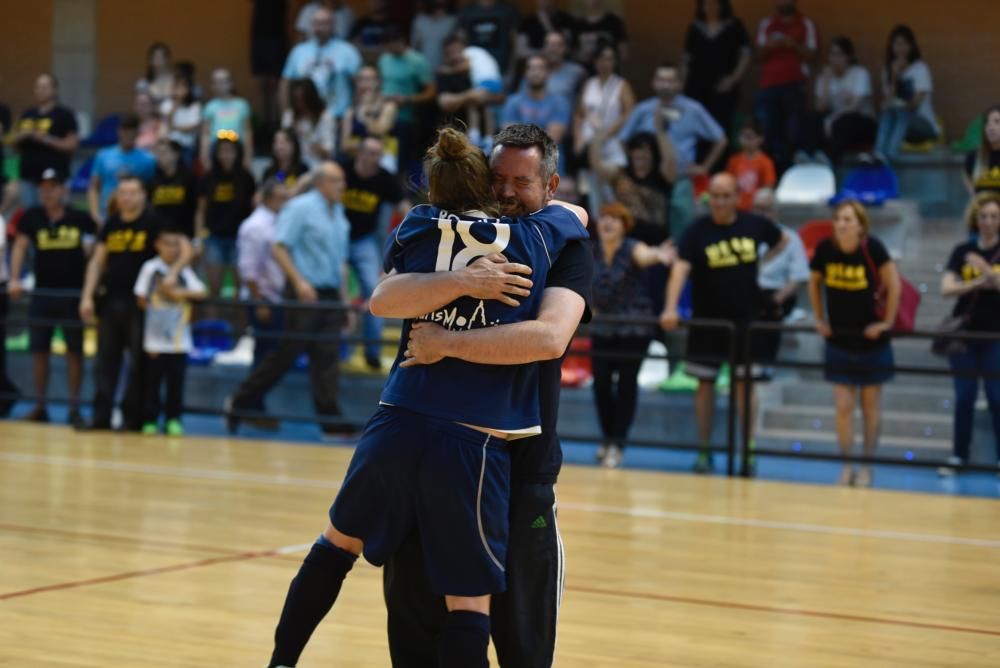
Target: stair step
x=820, y=420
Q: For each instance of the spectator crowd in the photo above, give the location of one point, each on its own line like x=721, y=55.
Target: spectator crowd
x=291, y=194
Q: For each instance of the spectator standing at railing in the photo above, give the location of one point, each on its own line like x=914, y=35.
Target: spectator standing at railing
x=619, y=347
x=370, y=195
x=719, y=254
x=61, y=238
x=849, y=269
x=166, y=339
x=225, y=199
x=173, y=192
x=260, y=274
x=45, y=136
x=114, y=162
x=973, y=277
x=9, y=392
x=311, y=246
x=124, y=243
x=982, y=166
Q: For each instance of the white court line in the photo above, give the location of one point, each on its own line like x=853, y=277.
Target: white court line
x=636, y=511
x=149, y=469
x=654, y=513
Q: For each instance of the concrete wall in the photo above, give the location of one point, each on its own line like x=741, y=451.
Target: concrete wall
x=957, y=39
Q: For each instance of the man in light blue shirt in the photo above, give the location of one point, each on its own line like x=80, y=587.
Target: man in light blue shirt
x=329, y=61
x=115, y=161
x=687, y=122
x=311, y=246
x=537, y=106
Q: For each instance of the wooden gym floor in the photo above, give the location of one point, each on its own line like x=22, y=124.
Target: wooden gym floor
x=120, y=550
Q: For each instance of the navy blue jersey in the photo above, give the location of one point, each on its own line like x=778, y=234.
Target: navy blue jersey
x=504, y=398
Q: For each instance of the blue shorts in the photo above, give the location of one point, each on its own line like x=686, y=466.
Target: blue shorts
x=220, y=251
x=866, y=367
x=449, y=482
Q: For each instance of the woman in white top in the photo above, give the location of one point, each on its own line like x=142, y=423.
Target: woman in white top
x=159, y=78
x=311, y=122
x=183, y=118
x=844, y=101
x=606, y=100
x=907, y=112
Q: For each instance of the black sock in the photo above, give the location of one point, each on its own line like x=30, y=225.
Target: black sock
x=464, y=640
x=310, y=596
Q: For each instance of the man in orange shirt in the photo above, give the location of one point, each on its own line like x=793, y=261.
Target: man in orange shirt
x=751, y=167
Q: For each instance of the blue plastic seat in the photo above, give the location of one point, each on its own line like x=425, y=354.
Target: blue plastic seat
x=209, y=337
x=871, y=185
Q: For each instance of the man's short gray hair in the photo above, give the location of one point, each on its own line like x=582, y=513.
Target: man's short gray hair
x=526, y=135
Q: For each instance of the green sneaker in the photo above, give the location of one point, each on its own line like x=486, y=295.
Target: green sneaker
x=174, y=428
x=704, y=463
x=724, y=378
x=149, y=429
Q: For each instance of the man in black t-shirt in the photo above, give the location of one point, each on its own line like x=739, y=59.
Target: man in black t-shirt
x=46, y=137
x=173, y=192
x=125, y=242
x=719, y=254
x=523, y=619
x=60, y=237
x=369, y=189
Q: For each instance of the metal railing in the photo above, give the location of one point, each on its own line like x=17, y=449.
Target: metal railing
x=736, y=449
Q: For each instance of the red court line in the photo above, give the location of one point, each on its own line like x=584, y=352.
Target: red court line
x=246, y=556
x=731, y=605
x=111, y=538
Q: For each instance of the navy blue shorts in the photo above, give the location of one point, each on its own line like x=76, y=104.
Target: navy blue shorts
x=449, y=482
x=49, y=308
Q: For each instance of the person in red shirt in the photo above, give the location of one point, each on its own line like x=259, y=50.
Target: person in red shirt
x=787, y=42
x=751, y=167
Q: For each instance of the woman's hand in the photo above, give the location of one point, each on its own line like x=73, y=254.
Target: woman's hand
x=823, y=329
x=875, y=330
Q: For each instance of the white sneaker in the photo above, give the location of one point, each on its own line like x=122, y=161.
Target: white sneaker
x=602, y=452
x=948, y=470
x=613, y=458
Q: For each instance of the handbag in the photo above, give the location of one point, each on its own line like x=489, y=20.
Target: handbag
x=944, y=345
x=909, y=297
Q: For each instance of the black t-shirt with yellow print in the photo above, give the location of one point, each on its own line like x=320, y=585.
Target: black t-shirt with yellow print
x=60, y=260
x=988, y=178
x=175, y=198
x=229, y=198
x=724, y=264
x=128, y=245
x=850, y=290
x=985, y=313
x=365, y=196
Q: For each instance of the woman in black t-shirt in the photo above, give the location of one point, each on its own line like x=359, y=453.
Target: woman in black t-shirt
x=716, y=56
x=973, y=277
x=850, y=267
x=286, y=160
x=982, y=166
x=225, y=200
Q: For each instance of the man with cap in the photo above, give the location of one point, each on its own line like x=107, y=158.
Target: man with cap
x=61, y=238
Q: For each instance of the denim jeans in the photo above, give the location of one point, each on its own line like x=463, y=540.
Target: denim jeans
x=781, y=110
x=899, y=124
x=979, y=356
x=366, y=260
